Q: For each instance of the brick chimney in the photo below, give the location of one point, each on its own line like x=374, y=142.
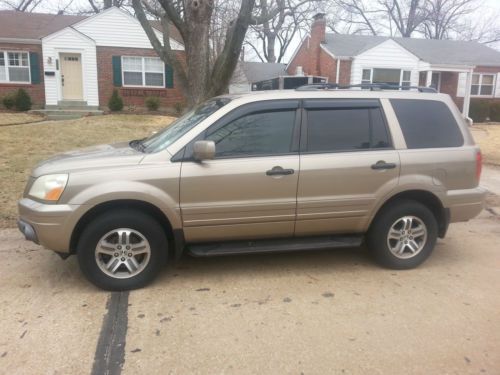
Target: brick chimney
x=318, y=28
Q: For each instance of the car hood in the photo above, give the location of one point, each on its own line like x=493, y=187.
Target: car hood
x=101, y=156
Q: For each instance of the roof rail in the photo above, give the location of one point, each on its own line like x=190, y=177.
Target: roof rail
x=369, y=86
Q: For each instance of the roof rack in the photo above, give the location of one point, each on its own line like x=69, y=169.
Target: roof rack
x=369, y=86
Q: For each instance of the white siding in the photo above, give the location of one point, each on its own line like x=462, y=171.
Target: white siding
x=115, y=28
x=388, y=54
x=462, y=82
x=69, y=40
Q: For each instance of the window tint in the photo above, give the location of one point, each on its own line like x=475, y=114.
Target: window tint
x=427, y=123
x=330, y=130
x=262, y=133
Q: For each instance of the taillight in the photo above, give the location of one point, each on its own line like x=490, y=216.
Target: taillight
x=479, y=164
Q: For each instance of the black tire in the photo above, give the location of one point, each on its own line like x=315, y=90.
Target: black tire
x=377, y=236
x=148, y=227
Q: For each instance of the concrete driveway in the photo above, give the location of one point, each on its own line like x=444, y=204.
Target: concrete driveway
x=330, y=312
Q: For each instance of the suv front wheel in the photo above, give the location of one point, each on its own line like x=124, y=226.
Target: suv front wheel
x=403, y=234
x=122, y=250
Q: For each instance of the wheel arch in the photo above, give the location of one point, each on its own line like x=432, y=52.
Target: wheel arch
x=425, y=197
x=175, y=237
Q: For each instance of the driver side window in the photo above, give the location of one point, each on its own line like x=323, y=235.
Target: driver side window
x=256, y=134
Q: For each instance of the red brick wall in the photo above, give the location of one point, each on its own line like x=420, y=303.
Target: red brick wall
x=37, y=92
x=132, y=96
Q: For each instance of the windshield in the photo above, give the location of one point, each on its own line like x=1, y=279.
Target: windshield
x=181, y=126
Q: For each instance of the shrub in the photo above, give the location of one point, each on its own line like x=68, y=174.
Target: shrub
x=495, y=111
x=152, y=103
x=22, y=100
x=115, y=103
x=479, y=110
x=9, y=101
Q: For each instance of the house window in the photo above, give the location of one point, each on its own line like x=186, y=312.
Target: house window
x=14, y=67
x=394, y=77
x=482, y=84
x=406, y=78
x=143, y=71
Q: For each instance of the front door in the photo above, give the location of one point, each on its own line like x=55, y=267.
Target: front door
x=71, y=76
x=347, y=162
x=249, y=190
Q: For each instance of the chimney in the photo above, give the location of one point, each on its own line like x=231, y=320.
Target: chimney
x=318, y=28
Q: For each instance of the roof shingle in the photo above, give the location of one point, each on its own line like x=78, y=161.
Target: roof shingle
x=447, y=52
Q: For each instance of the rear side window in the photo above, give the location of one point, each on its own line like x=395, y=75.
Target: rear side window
x=427, y=123
x=346, y=129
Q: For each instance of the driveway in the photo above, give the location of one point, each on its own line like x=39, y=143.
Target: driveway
x=330, y=312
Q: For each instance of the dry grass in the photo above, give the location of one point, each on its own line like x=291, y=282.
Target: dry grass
x=11, y=118
x=488, y=138
x=23, y=146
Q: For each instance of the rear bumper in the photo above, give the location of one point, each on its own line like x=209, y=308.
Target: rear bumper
x=49, y=225
x=465, y=204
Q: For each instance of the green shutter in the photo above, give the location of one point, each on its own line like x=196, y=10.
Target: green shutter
x=117, y=71
x=169, y=77
x=35, y=68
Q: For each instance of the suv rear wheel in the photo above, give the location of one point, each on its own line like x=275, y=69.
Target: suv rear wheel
x=122, y=250
x=403, y=235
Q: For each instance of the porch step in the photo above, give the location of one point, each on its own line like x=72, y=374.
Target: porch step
x=67, y=114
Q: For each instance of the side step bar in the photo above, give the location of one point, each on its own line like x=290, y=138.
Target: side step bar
x=273, y=245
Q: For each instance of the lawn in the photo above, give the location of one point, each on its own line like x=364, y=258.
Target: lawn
x=12, y=118
x=488, y=138
x=23, y=146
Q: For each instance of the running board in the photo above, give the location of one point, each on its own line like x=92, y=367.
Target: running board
x=273, y=245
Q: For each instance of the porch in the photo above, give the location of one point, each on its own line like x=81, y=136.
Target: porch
x=456, y=81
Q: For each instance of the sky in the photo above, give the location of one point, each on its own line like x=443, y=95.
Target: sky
x=488, y=7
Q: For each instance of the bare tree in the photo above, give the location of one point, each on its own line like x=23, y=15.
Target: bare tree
x=446, y=18
x=21, y=5
x=355, y=17
x=406, y=15
x=198, y=78
x=284, y=19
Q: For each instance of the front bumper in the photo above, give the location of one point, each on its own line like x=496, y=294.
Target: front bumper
x=50, y=225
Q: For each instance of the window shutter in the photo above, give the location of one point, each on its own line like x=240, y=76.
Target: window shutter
x=34, y=68
x=169, y=77
x=462, y=81
x=117, y=71
x=497, y=86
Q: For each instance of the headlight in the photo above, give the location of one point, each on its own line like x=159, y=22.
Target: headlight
x=49, y=187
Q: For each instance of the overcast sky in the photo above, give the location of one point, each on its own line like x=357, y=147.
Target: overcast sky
x=488, y=8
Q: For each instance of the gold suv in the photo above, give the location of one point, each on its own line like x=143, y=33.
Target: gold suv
x=263, y=172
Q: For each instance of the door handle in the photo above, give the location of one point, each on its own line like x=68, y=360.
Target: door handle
x=279, y=171
x=381, y=164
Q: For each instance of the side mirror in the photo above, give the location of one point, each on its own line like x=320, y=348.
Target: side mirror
x=469, y=121
x=203, y=150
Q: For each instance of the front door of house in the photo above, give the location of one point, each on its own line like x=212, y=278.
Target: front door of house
x=71, y=76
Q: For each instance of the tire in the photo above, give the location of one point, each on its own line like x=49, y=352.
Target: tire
x=122, y=250
x=389, y=247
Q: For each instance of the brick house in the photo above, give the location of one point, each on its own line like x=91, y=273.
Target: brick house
x=61, y=59
x=460, y=69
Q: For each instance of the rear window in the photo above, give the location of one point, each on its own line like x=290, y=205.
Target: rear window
x=427, y=123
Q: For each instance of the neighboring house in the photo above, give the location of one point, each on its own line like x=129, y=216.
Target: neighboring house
x=248, y=72
x=60, y=58
x=460, y=69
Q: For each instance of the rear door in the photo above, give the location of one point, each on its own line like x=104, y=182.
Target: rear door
x=347, y=163
x=249, y=190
